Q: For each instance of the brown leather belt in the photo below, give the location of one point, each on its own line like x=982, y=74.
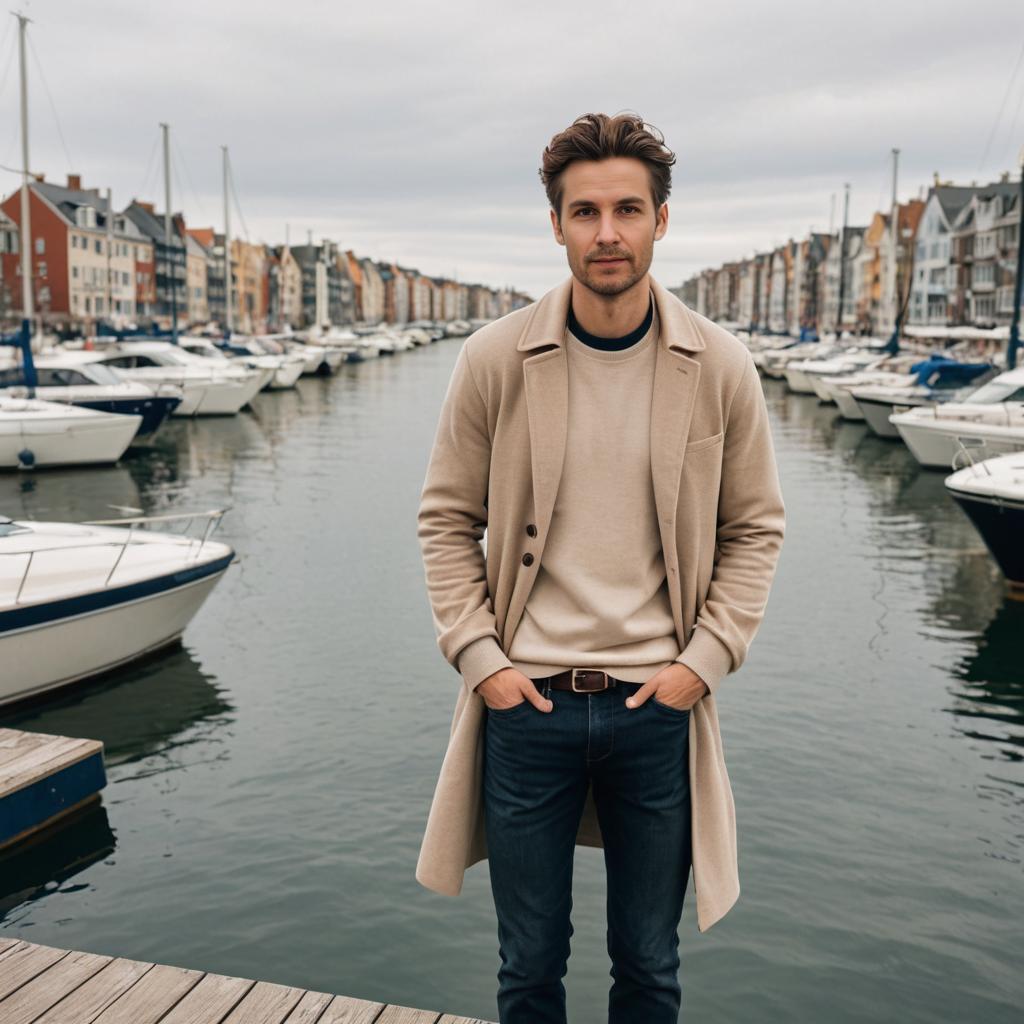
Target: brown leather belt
x=582, y=680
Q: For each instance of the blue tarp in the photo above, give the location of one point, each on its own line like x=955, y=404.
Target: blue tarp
x=938, y=371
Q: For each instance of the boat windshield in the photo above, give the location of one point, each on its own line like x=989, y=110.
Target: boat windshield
x=8, y=527
x=996, y=391
x=103, y=374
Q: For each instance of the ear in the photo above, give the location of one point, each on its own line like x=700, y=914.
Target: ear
x=557, y=228
x=661, y=221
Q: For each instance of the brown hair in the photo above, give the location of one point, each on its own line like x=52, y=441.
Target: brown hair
x=598, y=137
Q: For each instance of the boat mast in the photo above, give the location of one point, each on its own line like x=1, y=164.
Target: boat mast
x=842, y=263
x=110, y=248
x=894, y=235
x=227, y=249
x=25, y=228
x=1014, y=342
x=167, y=234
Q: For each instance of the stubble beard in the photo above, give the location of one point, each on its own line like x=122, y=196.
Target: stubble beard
x=616, y=287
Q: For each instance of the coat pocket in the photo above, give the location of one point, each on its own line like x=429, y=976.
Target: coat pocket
x=705, y=442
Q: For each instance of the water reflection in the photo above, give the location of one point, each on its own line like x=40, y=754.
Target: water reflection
x=166, y=711
x=40, y=868
x=154, y=718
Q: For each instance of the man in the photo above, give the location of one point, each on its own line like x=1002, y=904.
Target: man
x=615, y=446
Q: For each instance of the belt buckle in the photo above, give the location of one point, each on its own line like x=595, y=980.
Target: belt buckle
x=576, y=672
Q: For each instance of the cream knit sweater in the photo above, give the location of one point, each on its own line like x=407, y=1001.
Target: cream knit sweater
x=600, y=599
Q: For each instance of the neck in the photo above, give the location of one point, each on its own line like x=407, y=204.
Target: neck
x=611, y=316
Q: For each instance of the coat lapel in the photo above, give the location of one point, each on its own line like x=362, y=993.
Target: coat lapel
x=546, y=385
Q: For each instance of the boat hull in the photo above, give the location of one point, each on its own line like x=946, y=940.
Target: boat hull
x=935, y=443
x=1001, y=525
x=98, y=441
x=848, y=407
x=91, y=634
x=876, y=415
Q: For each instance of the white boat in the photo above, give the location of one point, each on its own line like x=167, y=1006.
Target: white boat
x=208, y=388
x=936, y=434
x=417, y=335
x=67, y=377
x=802, y=374
x=35, y=434
x=78, y=599
x=945, y=383
x=282, y=371
x=991, y=493
x=893, y=371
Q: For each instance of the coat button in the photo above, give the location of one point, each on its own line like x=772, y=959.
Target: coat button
x=527, y=559
x=531, y=530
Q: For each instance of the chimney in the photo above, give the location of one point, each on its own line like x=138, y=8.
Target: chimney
x=75, y=182
x=40, y=177
x=147, y=206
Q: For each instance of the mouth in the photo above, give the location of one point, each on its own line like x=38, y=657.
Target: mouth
x=613, y=262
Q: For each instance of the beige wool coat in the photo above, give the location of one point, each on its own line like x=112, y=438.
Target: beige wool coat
x=495, y=466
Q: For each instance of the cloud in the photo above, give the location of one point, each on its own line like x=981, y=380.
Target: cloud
x=414, y=131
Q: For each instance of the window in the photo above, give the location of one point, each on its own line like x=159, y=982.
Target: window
x=74, y=271
x=74, y=241
x=40, y=246
x=99, y=247
x=42, y=270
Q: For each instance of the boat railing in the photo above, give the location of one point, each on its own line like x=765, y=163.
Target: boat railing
x=211, y=517
x=964, y=455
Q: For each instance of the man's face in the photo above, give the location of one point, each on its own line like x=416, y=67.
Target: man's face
x=608, y=223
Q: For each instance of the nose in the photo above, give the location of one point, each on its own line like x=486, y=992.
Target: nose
x=607, y=231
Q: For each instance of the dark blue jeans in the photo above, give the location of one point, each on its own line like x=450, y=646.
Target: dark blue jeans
x=537, y=768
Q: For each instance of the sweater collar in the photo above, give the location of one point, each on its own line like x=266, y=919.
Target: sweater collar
x=611, y=344
x=546, y=324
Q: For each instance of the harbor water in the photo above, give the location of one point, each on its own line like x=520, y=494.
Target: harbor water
x=269, y=780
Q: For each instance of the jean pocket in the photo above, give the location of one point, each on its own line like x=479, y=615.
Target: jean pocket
x=668, y=709
x=506, y=712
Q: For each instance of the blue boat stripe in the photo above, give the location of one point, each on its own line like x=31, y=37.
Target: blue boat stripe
x=52, y=611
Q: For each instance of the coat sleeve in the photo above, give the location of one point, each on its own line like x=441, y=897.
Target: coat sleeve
x=750, y=529
x=450, y=525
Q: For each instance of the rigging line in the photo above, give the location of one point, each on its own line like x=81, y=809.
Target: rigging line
x=176, y=149
x=10, y=59
x=999, y=113
x=1014, y=160
x=46, y=89
x=149, y=168
x=3, y=85
x=238, y=205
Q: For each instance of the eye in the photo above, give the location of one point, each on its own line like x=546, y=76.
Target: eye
x=630, y=209
x=583, y=210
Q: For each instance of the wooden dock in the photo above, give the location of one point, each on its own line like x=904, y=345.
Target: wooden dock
x=45, y=985
x=44, y=779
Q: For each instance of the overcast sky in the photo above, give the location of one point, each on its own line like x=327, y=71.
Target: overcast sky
x=413, y=132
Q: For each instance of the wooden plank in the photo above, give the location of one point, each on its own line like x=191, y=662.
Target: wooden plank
x=14, y=744
x=23, y=964
x=43, y=761
x=46, y=985
x=155, y=993
x=348, y=1010
x=50, y=987
x=407, y=1015
x=209, y=1001
x=309, y=1008
x=265, y=1003
x=95, y=995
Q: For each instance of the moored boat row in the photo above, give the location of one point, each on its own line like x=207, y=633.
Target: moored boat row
x=946, y=411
